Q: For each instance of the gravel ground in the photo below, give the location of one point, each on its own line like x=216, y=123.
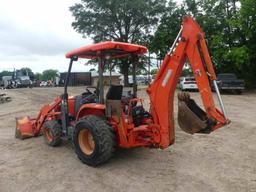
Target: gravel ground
x=221, y=161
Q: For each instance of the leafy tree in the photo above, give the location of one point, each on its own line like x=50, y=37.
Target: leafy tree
x=230, y=30
x=187, y=72
x=49, y=74
x=227, y=36
x=38, y=76
x=192, y=7
x=154, y=71
x=125, y=21
x=5, y=73
x=167, y=31
x=247, y=24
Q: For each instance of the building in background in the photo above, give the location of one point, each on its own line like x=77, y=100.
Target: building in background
x=76, y=79
x=114, y=79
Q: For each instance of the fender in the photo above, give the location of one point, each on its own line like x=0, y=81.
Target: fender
x=91, y=109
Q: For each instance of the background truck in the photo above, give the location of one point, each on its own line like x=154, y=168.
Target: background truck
x=229, y=82
x=18, y=79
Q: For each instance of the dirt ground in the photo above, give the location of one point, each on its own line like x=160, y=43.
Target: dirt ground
x=222, y=161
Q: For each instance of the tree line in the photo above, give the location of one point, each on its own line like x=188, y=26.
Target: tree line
x=229, y=26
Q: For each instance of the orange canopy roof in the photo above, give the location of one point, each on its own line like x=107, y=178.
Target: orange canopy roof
x=111, y=49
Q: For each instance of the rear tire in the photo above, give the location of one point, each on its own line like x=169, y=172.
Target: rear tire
x=52, y=133
x=94, y=140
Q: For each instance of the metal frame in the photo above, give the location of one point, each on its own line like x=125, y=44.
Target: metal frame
x=64, y=99
x=101, y=64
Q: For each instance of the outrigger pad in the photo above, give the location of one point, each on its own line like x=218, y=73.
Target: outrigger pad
x=24, y=128
x=191, y=118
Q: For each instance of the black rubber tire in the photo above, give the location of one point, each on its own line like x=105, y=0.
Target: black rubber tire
x=103, y=136
x=55, y=129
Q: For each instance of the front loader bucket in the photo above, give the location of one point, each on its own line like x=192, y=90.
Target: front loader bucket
x=24, y=128
x=191, y=118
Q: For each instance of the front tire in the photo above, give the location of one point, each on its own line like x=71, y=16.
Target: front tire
x=52, y=133
x=94, y=140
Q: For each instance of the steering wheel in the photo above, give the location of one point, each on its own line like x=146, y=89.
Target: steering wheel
x=88, y=91
x=94, y=91
x=90, y=95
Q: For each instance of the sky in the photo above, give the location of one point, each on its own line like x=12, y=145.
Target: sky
x=37, y=34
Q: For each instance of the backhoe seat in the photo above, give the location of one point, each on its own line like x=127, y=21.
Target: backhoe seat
x=114, y=92
x=113, y=100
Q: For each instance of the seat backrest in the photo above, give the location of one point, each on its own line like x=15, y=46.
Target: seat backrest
x=113, y=100
x=114, y=92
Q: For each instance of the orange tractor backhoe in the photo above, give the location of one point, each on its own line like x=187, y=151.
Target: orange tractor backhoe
x=97, y=125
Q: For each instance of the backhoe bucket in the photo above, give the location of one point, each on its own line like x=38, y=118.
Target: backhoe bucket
x=24, y=127
x=191, y=118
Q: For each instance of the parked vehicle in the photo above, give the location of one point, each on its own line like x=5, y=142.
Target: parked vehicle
x=43, y=84
x=188, y=83
x=141, y=80
x=229, y=82
x=6, y=81
x=18, y=79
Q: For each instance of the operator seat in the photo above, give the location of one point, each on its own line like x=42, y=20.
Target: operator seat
x=114, y=92
x=113, y=100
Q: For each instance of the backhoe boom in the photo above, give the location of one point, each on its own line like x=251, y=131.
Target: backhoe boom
x=190, y=45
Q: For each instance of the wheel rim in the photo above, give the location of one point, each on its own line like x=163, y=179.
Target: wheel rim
x=48, y=135
x=86, y=142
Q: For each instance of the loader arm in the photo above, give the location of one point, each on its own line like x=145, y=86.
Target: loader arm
x=189, y=46
x=27, y=127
